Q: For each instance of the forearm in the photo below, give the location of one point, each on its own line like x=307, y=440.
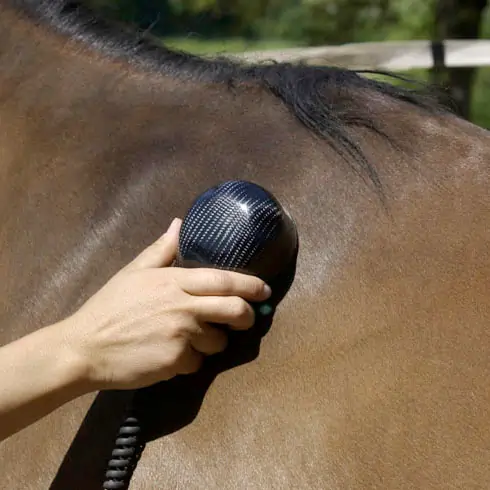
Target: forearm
x=38, y=373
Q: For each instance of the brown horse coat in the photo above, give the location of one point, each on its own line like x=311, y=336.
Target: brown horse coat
x=375, y=373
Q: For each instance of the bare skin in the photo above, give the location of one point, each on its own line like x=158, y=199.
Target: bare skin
x=149, y=323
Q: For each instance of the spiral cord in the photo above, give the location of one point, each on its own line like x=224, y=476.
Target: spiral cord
x=127, y=451
x=237, y=225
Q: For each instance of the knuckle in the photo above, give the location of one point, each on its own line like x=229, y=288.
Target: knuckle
x=256, y=287
x=180, y=326
x=172, y=289
x=169, y=289
x=174, y=354
x=240, y=308
x=221, y=280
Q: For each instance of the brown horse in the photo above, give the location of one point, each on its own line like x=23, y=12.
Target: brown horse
x=375, y=372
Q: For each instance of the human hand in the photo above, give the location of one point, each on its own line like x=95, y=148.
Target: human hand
x=151, y=322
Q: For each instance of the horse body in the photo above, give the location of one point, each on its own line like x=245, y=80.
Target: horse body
x=374, y=373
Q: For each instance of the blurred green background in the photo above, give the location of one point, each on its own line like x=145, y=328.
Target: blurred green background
x=219, y=26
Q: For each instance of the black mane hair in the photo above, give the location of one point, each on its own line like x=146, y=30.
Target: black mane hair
x=321, y=98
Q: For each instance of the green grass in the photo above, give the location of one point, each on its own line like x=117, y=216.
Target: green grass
x=481, y=99
x=480, y=104
x=197, y=45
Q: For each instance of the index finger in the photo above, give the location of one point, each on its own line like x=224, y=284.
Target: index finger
x=215, y=282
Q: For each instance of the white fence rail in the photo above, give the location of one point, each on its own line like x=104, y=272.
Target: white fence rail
x=390, y=55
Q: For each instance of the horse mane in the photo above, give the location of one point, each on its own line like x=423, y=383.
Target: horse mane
x=321, y=98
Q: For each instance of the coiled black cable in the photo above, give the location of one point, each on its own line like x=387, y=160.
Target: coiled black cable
x=128, y=448
x=237, y=226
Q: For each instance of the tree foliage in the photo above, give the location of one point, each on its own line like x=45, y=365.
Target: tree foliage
x=311, y=22
x=305, y=21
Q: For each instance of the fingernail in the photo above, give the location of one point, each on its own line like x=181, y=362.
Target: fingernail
x=267, y=290
x=169, y=229
x=174, y=223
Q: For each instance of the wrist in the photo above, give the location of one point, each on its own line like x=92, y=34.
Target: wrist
x=39, y=373
x=72, y=366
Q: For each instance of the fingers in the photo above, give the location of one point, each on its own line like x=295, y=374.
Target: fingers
x=232, y=311
x=189, y=362
x=160, y=253
x=209, y=340
x=206, y=340
x=211, y=282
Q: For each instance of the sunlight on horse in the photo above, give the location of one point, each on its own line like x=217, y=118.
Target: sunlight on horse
x=375, y=371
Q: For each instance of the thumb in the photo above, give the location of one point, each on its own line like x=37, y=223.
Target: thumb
x=160, y=253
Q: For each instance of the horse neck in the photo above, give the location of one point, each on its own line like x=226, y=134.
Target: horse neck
x=105, y=157
x=97, y=159
x=387, y=308
x=70, y=166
